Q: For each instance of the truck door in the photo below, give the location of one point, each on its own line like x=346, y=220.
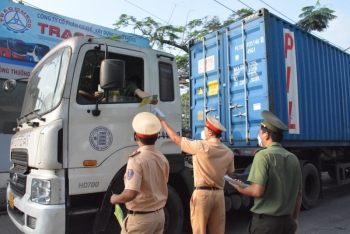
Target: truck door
x=108, y=138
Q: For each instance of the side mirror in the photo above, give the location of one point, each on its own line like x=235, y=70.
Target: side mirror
x=9, y=85
x=112, y=77
x=112, y=74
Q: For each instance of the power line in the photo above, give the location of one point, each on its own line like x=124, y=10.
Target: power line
x=247, y=6
x=145, y=11
x=225, y=6
x=278, y=11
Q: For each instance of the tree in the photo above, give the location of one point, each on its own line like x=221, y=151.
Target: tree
x=178, y=36
x=185, y=100
x=315, y=17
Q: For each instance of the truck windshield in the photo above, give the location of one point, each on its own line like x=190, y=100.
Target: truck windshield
x=45, y=86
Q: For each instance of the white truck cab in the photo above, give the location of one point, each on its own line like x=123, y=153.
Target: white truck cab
x=70, y=148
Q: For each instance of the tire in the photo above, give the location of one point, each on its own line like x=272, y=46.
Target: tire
x=311, y=186
x=174, y=213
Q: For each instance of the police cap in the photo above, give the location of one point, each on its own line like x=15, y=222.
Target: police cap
x=214, y=124
x=272, y=123
x=146, y=125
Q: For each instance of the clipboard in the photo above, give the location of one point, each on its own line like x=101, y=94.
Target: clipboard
x=229, y=179
x=118, y=212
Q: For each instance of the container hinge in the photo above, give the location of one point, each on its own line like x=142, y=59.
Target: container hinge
x=235, y=106
x=240, y=115
x=210, y=110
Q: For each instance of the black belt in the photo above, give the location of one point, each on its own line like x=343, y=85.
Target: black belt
x=255, y=215
x=206, y=188
x=141, y=212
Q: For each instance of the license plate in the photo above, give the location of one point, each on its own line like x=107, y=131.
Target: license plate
x=11, y=203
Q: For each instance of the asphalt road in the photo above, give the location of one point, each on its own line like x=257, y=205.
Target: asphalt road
x=330, y=215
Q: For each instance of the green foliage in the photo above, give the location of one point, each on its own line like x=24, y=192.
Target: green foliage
x=315, y=17
x=183, y=68
x=185, y=100
x=176, y=36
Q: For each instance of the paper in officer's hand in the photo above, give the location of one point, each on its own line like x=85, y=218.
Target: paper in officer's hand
x=159, y=112
x=118, y=212
x=229, y=179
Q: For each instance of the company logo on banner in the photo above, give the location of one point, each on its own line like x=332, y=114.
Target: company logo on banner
x=27, y=34
x=291, y=81
x=15, y=19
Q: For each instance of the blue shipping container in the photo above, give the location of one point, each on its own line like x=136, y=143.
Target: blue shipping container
x=266, y=63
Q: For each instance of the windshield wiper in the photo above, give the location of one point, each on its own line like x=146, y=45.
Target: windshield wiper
x=37, y=115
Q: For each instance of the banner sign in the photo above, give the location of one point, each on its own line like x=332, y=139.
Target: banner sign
x=27, y=34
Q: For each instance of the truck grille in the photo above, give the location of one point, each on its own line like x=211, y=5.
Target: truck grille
x=18, y=176
x=16, y=214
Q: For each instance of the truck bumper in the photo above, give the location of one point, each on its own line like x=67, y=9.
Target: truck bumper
x=50, y=219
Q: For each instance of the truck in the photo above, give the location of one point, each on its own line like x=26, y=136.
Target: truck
x=10, y=110
x=69, y=150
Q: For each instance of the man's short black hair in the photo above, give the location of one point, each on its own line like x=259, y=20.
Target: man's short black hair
x=148, y=141
x=217, y=135
x=276, y=137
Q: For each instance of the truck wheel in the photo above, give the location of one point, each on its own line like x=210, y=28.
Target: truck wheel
x=311, y=186
x=174, y=213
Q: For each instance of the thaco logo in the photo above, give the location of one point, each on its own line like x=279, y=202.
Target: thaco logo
x=15, y=19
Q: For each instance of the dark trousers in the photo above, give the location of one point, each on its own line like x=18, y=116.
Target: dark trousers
x=266, y=224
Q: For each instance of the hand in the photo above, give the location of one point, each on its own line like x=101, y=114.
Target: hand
x=154, y=102
x=160, y=117
x=295, y=221
x=235, y=185
x=113, y=199
x=97, y=94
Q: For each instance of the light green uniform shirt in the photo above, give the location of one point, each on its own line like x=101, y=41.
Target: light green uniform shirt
x=278, y=171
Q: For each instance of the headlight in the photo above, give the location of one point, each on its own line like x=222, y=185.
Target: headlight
x=41, y=191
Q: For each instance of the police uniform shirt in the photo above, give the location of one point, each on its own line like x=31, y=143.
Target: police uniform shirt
x=147, y=172
x=211, y=161
x=278, y=171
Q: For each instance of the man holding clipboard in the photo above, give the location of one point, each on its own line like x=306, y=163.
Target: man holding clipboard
x=276, y=182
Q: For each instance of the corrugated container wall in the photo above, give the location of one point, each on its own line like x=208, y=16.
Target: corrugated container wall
x=266, y=63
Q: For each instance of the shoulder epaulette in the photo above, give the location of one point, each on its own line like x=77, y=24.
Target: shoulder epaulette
x=134, y=153
x=259, y=150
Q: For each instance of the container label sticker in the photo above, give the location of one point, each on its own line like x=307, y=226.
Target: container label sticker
x=101, y=138
x=257, y=106
x=291, y=81
x=200, y=115
x=200, y=91
x=213, y=87
x=209, y=64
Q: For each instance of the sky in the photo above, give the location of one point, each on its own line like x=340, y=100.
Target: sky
x=178, y=12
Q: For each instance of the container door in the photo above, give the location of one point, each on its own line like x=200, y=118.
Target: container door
x=246, y=78
x=207, y=88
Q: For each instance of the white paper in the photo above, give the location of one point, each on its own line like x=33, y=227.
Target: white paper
x=229, y=179
x=159, y=112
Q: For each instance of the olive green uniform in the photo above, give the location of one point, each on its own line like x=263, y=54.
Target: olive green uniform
x=278, y=171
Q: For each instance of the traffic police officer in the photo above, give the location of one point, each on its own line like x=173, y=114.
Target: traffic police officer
x=145, y=180
x=276, y=182
x=211, y=161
